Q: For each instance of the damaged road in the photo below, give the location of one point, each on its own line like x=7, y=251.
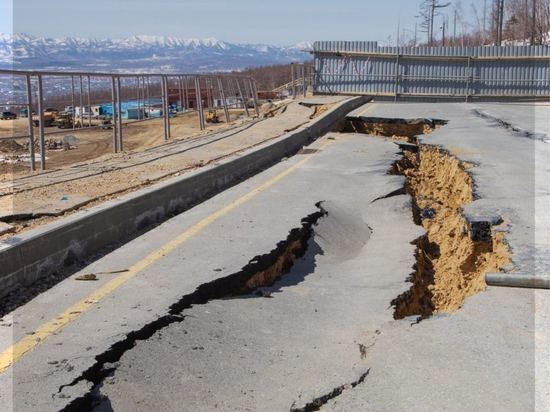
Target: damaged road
x=226, y=351
x=292, y=291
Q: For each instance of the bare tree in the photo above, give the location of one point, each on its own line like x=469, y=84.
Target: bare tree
x=528, y=20
x=429, y=9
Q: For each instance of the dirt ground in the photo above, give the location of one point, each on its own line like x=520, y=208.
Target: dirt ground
x=29, y=200
x=96, y=144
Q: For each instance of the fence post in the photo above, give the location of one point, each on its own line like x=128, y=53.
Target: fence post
x=41, y=124
x=180, y=89
x=468, y=76
x=81, y=100
x=254, y=96
x=224, y=101
x=186, y=91
x=292, y=81
x=148, y=93
x=89, y=103
x=304, y=79
x=165, y=104
x=73, y=114
x=198, y=95
x=114, y=115
x=30, y=125
x=396, y=77
x=167, y=108
x=119, y=121
x=245, y=104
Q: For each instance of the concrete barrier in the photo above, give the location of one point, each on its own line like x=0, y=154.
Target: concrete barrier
x=32, y=255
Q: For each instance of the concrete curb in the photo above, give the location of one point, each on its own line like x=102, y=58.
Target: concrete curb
x=26, y=258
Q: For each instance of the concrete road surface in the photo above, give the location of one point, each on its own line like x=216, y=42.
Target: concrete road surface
x=164, y=335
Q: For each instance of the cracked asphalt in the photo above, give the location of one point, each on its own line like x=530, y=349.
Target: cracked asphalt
x=325, y=331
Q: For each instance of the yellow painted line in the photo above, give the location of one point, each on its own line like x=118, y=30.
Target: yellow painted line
x=19, y=349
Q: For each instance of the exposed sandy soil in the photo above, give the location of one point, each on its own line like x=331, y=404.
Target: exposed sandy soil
x=450, y=266
x=396, y=131
x=318, y=110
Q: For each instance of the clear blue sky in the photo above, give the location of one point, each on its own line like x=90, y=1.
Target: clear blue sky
x=250, y=21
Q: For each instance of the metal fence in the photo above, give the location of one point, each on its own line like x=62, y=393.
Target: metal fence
x=365, y=68
x=167, y=94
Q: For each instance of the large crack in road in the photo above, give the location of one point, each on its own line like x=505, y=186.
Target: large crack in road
x=451, y=258
x=261, y=271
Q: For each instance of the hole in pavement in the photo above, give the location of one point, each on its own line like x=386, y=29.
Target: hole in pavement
x=451, y=258
x=397, y=129
x=261, y=271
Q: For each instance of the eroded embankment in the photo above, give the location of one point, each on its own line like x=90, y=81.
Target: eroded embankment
x=450, y=265
x=451, y=260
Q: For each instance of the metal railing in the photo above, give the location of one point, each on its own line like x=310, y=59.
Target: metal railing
x=168, y=94
x=301, y=75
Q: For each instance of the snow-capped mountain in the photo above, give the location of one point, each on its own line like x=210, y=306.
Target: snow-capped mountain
x=140, y=53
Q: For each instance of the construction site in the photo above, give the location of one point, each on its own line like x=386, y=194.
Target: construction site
x=372, y=235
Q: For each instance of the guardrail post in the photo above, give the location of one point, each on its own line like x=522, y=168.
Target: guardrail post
x=224, y=100
x=41, y=124
x=30, y=124
x=254, y=96
x=198, y=95
x=245, y=104
x=119, y=114
x=114, y=121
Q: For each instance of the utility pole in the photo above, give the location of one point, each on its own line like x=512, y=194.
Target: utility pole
x=432, y=23
x=434, y=5
x=444, y=23
x=398, y=30
x=454, y=25
x=484, y=20
x=500, y=21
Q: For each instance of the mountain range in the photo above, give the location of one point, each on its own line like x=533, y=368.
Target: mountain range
x=141, y=54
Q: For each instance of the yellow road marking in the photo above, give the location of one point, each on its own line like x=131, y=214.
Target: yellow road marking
x=19, y=349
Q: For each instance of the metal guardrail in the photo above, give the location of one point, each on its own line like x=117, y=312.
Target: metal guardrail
x=204, y=89
x=365, y=68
